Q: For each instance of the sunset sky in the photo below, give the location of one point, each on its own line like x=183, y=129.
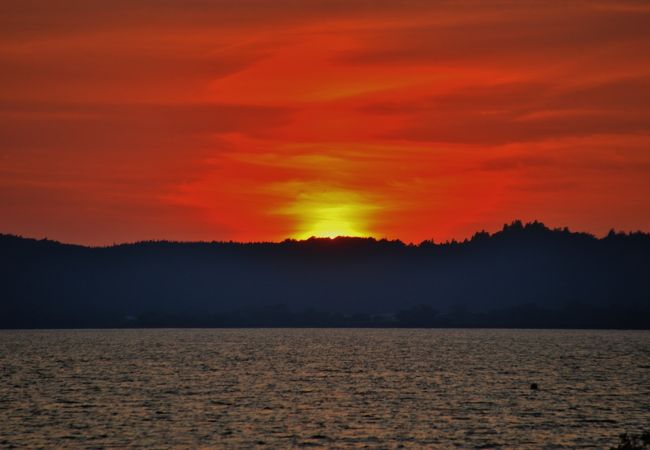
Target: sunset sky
x=253, y=120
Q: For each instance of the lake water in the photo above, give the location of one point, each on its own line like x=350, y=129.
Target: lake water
x=343, y=388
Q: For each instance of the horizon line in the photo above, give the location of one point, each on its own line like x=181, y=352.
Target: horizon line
x=506, y=226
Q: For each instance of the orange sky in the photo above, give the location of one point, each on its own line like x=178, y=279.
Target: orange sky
x=126, y=120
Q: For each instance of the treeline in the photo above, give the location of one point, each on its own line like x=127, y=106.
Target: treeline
x=525, y=275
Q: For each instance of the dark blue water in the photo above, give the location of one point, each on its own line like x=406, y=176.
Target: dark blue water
x=279, y=388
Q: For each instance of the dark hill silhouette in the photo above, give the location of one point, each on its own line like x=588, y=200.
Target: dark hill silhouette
x=522, y=276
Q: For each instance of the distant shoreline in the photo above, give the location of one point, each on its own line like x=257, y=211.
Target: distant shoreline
x=525, y=276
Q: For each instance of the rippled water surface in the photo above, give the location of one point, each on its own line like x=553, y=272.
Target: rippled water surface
x=277, y=388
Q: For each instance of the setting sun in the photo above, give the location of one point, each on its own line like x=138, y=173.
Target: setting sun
x=326, y=212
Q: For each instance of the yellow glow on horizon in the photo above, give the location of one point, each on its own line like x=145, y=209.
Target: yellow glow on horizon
x=326, y=212
x=331, y=221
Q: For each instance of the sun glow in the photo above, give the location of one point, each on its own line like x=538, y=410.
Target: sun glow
x=329, y=213
x=331, y=221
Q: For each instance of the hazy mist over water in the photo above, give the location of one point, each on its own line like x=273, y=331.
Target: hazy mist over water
x=329, y=388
